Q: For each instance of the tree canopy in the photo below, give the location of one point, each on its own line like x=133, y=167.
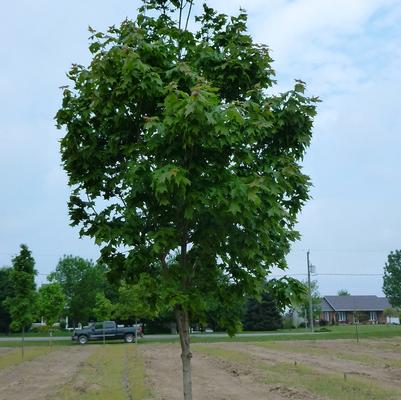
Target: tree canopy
x=174, y=149
x=184, y=167
x=52, y=303
x=22, y=303
x=303, y=305
x=392, y=278
x=104, y=309
x=81, y=280
x=6, y=290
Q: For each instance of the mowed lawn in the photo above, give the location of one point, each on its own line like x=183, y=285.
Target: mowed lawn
x=327, y=332
x=253, y=369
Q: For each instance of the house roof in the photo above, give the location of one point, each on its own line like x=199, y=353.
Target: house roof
x=354, y=303
x=325, y=306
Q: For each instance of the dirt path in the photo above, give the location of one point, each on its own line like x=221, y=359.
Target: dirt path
x=40, y=378
x=212, y=379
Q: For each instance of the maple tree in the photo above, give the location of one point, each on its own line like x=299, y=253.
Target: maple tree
x=183, y=167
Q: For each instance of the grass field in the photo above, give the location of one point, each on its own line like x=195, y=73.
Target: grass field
x=36, y=334
x=335, y=332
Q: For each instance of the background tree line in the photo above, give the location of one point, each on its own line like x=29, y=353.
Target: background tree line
x=78, y=291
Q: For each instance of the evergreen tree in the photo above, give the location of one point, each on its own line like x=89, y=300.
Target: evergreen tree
x=6, y=290
x=392, y=278
x=22, y=304
x=262, y=315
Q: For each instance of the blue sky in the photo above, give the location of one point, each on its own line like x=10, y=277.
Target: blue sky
x=348, y=52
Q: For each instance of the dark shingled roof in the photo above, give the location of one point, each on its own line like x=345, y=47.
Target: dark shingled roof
x=325, y=306
x=354, y=303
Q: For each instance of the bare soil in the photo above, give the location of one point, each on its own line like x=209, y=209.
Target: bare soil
x=41, y=377
x=214, y=378
x=381, y=372
x=218, y=379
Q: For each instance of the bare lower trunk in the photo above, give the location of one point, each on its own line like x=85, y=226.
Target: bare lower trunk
x=186, y=355
x=23, y=342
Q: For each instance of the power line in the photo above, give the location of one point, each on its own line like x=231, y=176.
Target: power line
x=343, y=250
x=339, y=250
x=350, y=274
x=328, y=274
x=41, y=255
x=280, y=275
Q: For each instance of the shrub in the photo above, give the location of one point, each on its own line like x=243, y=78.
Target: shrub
x=288, y=322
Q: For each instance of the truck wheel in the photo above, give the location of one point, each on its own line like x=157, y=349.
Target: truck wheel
x=129, y=338
x=83, y=339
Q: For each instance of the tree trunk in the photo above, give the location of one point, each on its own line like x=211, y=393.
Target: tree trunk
x=23, y=342
x=186, y=355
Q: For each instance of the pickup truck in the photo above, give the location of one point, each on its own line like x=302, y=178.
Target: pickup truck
x=107, y=330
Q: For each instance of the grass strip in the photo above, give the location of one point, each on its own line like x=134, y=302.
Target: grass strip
x=36, y=343
x=13, y=356
x=367, y=359
x=336, y=332
x=43, y=333
x=112, y=372
x=137, y=375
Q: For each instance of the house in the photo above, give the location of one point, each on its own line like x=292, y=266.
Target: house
x=347, y=309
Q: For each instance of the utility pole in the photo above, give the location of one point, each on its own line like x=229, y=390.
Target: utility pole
x=310, y=293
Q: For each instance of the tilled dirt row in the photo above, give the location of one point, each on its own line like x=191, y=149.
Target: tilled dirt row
x=383, y=374
x=212, y=379
x=41, y=378
x=217, y=379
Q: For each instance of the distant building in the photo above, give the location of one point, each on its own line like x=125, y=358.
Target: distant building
x=347, y=309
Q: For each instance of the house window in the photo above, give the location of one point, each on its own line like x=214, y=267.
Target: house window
x=372, y=316
x=326, y=316
x=341, y=316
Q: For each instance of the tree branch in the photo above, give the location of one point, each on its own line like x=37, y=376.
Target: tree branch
x=189, y=13
x=122, y=200
x=162, y=259
x=180, y=17
x=91, y=205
